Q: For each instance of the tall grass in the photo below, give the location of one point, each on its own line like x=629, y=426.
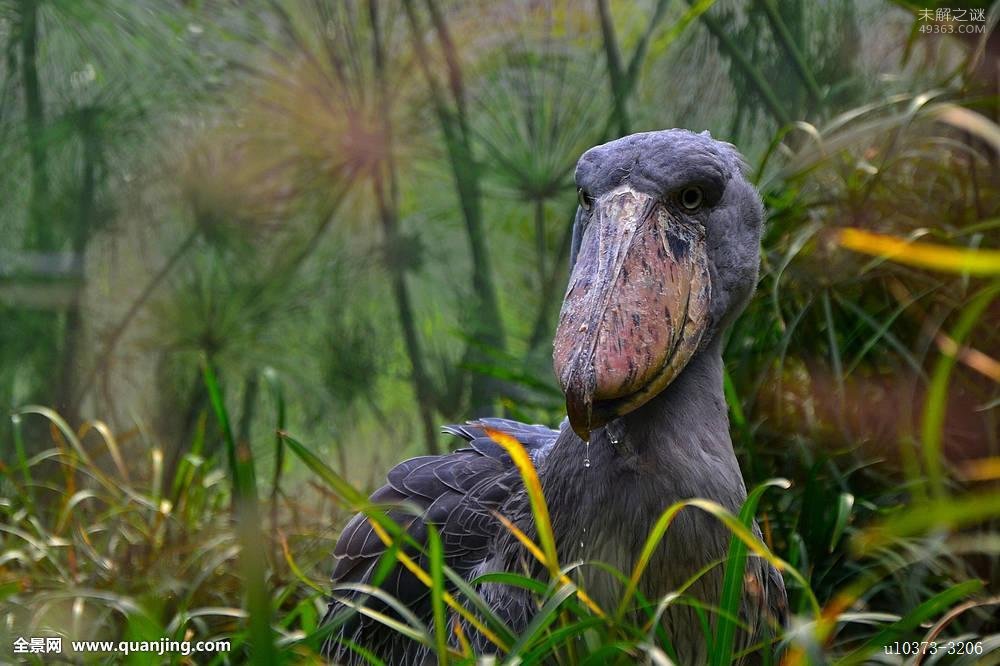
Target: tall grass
x=858, y=372
x=97, y=555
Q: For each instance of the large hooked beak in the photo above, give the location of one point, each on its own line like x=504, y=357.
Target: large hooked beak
x=635, y=309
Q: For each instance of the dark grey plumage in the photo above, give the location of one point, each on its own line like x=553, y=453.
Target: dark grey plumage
x=674, y=446
x=457, y=493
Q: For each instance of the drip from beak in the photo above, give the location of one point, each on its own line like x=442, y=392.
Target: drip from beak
x=635, y=309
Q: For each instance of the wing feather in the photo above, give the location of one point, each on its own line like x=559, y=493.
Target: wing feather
x=458, y=493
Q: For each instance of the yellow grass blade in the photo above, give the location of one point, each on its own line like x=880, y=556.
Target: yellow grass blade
x=359, y=502
x=922, y=255
x=533, y=548
x=294, y=567
x=970, y=121
x=970, y=357
x=110, y=441
x=825, y=623
x=462, y=640
x=539, y=509
x=982, y=469
x=425, y=578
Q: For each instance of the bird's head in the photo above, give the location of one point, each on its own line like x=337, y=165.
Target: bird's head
x=666, y=246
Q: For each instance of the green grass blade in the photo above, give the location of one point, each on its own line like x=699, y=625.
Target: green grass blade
x=835, y=360
x=845, y=504
x=419, y=635
x=366, y=654
x=252, y=560
x=240, y=461
x=22, y=462
x=609, y=653
x=435, y=554
x=511, y=579
x=546, y=615
x=483, y=610
x=937, y=395
x=733, y=524
x=732, y=585
x=355, y=498
x=408, y=617
x=271, y=377
x=556, y=637
x=733, y=400
x=386, y=528
x=186, y=469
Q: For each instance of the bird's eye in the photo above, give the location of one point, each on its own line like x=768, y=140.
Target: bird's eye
x=585, y=199
x=691, y=197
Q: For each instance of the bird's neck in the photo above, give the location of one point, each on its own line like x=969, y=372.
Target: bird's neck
x=677, y=446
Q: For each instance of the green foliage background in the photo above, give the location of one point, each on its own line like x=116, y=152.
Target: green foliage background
x=350, y=221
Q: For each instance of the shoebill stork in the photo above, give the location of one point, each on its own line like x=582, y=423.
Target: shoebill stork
x=664, y=258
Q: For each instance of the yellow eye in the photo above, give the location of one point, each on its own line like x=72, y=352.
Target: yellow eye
x=583, y=198
x=691, y=198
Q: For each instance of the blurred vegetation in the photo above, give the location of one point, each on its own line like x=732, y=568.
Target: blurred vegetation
x=350, y=221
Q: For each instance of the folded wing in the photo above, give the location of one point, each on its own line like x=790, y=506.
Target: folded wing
x=457, y=493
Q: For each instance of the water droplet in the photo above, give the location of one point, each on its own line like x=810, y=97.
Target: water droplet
x=586, y=456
